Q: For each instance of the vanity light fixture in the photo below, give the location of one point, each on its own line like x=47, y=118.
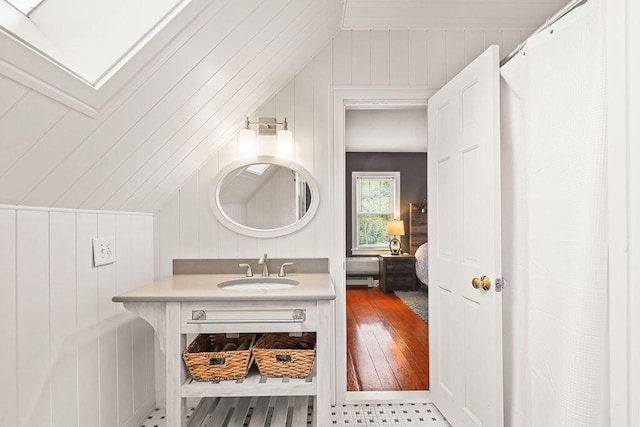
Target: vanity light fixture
x=395, y=228
x=266, y=126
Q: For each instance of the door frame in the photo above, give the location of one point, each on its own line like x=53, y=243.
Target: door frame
x=342, y=98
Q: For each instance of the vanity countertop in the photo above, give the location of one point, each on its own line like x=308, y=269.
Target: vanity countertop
x=204, y=287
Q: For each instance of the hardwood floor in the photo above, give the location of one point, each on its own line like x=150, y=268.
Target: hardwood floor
x=387, y=343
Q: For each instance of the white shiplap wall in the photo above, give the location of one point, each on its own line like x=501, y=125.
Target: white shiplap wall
x=70, y=356
x=187, y=227
x=158, y=130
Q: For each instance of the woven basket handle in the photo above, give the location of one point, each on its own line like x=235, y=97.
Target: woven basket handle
x=283, y=358
x=217, y=361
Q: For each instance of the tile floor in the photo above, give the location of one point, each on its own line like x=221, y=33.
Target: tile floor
x=370, y=415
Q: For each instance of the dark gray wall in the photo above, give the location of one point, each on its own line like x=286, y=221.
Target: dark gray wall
x=413, y=182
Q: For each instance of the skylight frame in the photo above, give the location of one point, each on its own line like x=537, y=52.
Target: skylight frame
x=25, y=6
x=257, y=168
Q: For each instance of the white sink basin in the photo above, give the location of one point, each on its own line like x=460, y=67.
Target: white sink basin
x=258, y=284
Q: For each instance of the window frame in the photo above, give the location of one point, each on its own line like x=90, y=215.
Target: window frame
x=356, y=249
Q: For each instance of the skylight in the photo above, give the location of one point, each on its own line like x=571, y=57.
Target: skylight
x=258, y=168
x=24, y=6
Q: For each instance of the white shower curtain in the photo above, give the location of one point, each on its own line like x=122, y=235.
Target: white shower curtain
x=554, y=226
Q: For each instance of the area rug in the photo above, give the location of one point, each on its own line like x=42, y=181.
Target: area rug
x=417, y=301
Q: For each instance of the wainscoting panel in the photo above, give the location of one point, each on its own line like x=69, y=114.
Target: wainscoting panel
x=71, y=357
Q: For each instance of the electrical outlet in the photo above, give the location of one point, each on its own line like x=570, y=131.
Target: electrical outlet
x=104, y=251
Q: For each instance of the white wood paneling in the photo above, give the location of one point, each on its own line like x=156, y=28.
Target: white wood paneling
x=124, y=281
x=10, y=93
x=473, y=44
x=33, y=328
x=87, y=300
x=181, y=110
x=142, y=254
x=418, y=64
x=208, y=138
x=189, y=218
x=303, y=104
x=322, y=64
x=59, y=365
x=433, y=14
x=169, y=235
x=436, y=58
x=207, y=224
x=35, y=166
x=264, y=79
x=107, y=328
x=510, y=40
x=494, y=36
x=8, y=356
x=20, y=129
x=217, y=111
x=361, y=57
x=379, y=58
x=455, y=52
x=103, y=162
x=62, y=284
x=183, y=79
x=399, y=57
x=342, y=56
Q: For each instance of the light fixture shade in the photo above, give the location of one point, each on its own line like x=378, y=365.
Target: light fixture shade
x=285, y=143
x=395, y=228
x=247, y=142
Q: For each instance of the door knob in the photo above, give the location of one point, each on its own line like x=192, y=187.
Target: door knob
x=484, y=282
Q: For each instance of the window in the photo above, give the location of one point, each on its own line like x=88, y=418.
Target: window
x=376, y=200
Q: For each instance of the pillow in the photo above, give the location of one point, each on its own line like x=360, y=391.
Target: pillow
x=422, y=263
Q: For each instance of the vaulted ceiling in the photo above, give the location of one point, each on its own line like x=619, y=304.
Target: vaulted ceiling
x=178, y=103
x=443, y=14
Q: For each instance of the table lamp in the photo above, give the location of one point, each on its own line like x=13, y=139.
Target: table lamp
x=395, y=228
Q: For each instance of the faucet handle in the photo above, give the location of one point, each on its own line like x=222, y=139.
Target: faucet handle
x=249, y=272
x=282, y=273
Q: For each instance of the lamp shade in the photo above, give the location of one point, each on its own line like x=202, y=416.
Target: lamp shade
x=395, y=228
x=285, y=143
x=247, y=142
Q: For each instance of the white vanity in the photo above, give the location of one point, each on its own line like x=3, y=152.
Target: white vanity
x=201, y=303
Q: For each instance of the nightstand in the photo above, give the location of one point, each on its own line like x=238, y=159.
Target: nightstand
x=397, y=272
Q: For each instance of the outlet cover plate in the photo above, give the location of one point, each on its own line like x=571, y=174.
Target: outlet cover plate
x=104, y=251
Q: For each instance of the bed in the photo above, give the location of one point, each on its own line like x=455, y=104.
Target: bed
x=422, y=263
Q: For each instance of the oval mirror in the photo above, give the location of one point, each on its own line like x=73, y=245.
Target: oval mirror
x=264, y=196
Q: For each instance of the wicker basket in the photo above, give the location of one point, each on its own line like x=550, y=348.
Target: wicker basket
x=280, y=355
x=207, y=365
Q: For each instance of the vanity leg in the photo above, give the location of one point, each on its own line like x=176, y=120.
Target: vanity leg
x=175, y=372
x=323, y=367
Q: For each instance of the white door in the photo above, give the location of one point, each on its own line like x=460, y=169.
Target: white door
x=465, y=322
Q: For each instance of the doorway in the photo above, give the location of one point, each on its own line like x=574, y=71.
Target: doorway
x=387, y=331
x=344, y=99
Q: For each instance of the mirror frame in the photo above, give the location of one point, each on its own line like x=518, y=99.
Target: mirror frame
x=214, y=198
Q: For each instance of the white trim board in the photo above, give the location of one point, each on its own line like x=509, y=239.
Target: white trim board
x=341, y=99
x=40, y=208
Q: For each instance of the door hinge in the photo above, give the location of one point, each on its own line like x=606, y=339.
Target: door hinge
x=501, y=283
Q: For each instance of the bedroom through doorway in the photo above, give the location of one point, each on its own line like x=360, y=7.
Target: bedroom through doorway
x=387, y=338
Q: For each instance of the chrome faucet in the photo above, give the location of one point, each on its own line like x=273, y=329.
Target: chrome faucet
x=265, y=269
x=248, y=267
x=282, y=272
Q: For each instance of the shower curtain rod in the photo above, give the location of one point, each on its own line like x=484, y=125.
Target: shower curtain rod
x=564, y=11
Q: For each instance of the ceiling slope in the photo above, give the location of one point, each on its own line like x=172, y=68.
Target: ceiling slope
x=162, y=129
x=446, y=14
